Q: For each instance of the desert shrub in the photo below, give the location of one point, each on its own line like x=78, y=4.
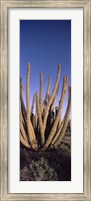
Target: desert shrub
x=25, y=174
x=38, y=171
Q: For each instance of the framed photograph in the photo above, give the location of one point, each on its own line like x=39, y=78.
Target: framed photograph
x=45, y=100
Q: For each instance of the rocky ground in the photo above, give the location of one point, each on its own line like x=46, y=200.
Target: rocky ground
x=51, y=165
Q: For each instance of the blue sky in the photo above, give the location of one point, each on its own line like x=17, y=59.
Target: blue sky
x=45, y=44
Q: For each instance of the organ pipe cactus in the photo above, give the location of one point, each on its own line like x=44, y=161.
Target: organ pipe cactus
x=54, y=128
x=65, y=123
x=40, y=119
x=48, y=92
x=43, y=128
x=31, y=134
x=41, y=90
x=52, y=96
x=32, y=108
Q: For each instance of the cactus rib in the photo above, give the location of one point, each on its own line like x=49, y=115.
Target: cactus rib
x=24, y=142
x=31, y=133
x=40, y=119
x=52, y=96
x=66, y=119
x=54, y=128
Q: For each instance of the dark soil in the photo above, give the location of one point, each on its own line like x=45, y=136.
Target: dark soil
x=50, y=165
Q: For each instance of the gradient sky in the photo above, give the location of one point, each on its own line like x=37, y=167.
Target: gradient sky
x=45, y=44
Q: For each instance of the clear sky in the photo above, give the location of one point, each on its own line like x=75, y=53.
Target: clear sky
x=45, y=44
